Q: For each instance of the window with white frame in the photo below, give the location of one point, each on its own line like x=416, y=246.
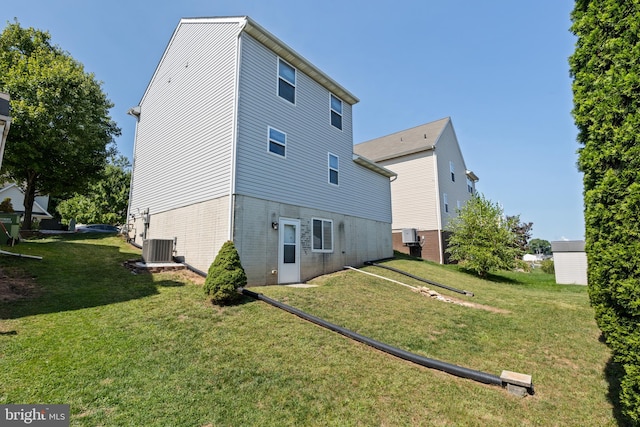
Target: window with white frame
x=334, y=169
x=322, y=235
x=286, y=81
x=459, y=205
x=336, y=112
x=453, y=174
x=277, y=142
x=446, y=202
x=469, y=185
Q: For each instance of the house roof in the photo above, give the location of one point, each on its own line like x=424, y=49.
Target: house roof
x=18, y=205
x=405, y=142
x=567, y=246
x=363, y=161
x=252, y=28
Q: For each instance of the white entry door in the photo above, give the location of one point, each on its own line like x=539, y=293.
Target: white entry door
x=289, y=251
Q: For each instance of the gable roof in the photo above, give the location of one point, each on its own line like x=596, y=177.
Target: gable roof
x=405, y=142
x=249, y=26
x=15, y=193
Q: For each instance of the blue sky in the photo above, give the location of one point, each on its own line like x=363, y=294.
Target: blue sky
x=498, y=68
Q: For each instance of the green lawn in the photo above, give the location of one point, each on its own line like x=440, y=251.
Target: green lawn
x=133, y=350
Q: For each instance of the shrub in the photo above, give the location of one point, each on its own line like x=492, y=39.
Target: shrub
x=548, y=266
x=522, y=265
x=6, y=205
x=225, y=275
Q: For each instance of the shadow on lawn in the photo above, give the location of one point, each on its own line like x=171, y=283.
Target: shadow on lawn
x=73, y=275
x=614, y=372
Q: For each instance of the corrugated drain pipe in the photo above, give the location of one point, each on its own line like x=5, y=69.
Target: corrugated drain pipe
x=459, y=371
x=460, y=291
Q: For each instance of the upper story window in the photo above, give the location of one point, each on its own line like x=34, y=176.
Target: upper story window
x=453, y=172
x=334, y=168
x=469, y=185
x=322, y=235
x=286, y=81
x=336, y=112
x=277, y=142
x=446, y=202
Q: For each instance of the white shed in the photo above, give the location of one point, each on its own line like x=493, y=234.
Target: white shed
x=570, y=262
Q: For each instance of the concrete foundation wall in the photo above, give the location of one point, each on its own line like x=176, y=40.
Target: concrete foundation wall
x=200, y=230
x=356, y=240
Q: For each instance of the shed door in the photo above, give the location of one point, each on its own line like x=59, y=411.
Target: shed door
x=289, y=251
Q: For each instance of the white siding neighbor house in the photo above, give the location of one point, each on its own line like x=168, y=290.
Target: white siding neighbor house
x=433, y=182
x=16, y=196
x=240, y=138
x=5, y=121
x=570, y=262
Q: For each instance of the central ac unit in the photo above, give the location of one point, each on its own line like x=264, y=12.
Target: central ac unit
x=157, y=250
x=409, y=236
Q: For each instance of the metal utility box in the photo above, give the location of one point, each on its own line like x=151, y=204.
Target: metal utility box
x=11, y=222
x=157, y=250
x=410, y=236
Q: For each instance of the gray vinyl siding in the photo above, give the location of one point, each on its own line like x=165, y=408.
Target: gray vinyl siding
x=183, y=145
x=301, y=178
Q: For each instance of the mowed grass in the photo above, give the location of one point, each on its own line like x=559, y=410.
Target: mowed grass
x=131, y=350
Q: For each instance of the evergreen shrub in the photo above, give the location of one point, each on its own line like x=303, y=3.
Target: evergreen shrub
x=225, y=276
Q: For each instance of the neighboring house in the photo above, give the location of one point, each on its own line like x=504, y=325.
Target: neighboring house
x=5, y=122
x=570, y=262
x=15, y=193
x=433, y=182
x=240, y=138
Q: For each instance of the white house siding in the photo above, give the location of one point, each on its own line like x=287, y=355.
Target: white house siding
x=300, y=179
x=356, y=240
x=413, y=192
x=448, y=150
x=570, y=267
x=199, y=229
x=183, y=144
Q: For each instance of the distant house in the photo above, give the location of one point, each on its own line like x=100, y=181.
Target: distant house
x=15, y=193
x=433, y=182
x=240, y=138
x=570, y=262
x=5, y=122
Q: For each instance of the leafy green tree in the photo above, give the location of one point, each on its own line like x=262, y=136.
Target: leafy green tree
x=482, y=239
x=225, y=276
x=61, y=132
x=605, y=67
x=106, y=200
x=539, y=246
x=522, y=231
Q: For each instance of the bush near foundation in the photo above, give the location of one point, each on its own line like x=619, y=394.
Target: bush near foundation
x=225, y=276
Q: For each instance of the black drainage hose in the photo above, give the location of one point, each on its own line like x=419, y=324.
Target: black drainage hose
x=459, y=371
x=460, y=291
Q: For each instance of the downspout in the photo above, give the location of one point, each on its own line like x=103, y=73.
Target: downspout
x=234, y=133
x=439, y=211
x=135, y=113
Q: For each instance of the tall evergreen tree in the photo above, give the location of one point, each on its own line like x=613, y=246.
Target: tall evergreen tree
x=606, y=90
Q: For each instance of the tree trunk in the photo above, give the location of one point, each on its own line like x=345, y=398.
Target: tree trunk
x=29, y=198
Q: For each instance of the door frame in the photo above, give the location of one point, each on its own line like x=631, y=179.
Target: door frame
x=292, y=270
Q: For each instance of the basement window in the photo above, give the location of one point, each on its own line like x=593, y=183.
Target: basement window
x=322, y=235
